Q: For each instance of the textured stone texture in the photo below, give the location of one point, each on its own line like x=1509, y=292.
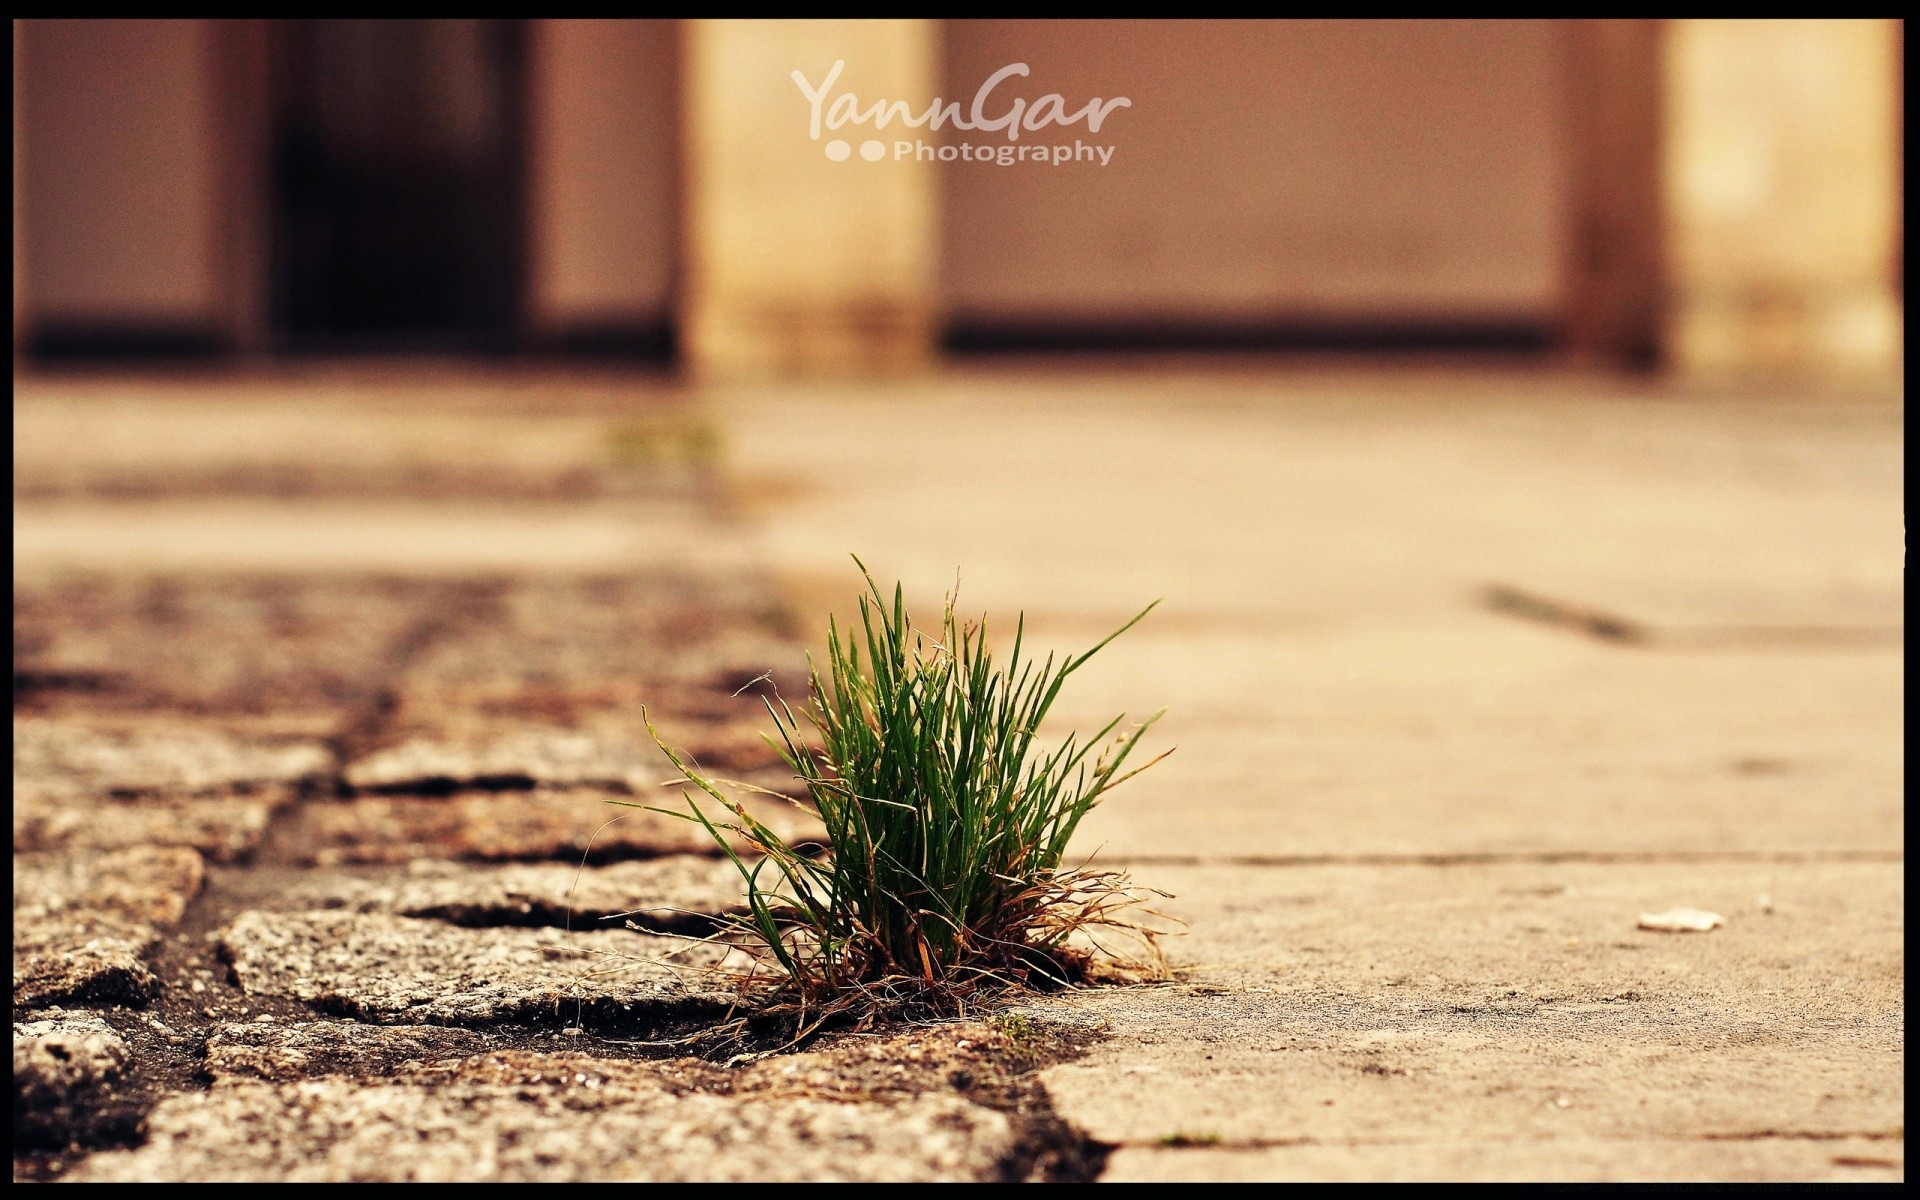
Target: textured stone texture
x=93, y=785
x=227, y=646
x=79, y=963
x=65, y=1065
x=158, y=756
x=282, y=1051
x=147, y=884
x=1409, y=829
x=676, y=892
x=84, y=923
x=224, y=828
x=511, y=825
x=394, y=969
x=528, y=1117
x=606, y=634
x=1472, y=1003
x=1841, y=1160
x=537, y=756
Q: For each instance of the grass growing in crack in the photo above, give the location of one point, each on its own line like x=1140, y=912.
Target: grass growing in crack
x=946, y=822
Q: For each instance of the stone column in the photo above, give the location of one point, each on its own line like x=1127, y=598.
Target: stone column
x=803, y=257
x=1614, y=280
x=1781, y=186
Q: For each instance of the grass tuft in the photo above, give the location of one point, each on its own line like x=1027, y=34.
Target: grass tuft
x=946, y=820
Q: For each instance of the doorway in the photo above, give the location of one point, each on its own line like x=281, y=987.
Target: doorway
x=397, y=184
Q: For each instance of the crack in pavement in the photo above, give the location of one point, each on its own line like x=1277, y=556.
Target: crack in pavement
x=1200, y=1142
x=1538, y=857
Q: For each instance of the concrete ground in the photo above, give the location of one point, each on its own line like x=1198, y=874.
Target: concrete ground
x=1466, y=672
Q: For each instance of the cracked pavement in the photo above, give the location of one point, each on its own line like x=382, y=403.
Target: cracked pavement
x=320, y=685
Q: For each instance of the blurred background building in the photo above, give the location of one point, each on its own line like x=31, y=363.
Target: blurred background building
x=1707, y=196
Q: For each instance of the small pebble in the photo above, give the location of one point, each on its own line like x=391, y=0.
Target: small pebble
x=572, y=1031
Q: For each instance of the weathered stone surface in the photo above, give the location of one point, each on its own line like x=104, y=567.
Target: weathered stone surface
x=227, y=645
x=555, y=686
x=511, y=825
x=224, y=828
x=148, y=884
x=151, y=781
x=84, y=923
x=64, y=1067
x=475, y=439
x=397, y=969
x=78, y=962
x=529, y=1117
x=1337, y=684
x=1333, y=681
x=533, y=755
x=282, y=1051
x=595, y=632
x=557, y=736
x=677, y=892
x=1841, y=1160
x=157, y=755
x=1410, y=1004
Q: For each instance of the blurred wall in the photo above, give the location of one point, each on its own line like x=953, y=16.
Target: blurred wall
x=121, y=173
x=799, y=262
x=1716, y=195
x=603, y=180
x=1616, y=237
x=1783, y=195
x=1319, y=170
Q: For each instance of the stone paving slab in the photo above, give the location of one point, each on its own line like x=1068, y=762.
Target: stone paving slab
x=607, y=630
x=281, y=1051
x=151, y=885
x=54, y=817
x=395, y=969
x=158, y=755
x=92, y=785
x=1324, y=542
x=1471, y=733
x=603, y=749
x=83, y=961
x=1380, y=1006
x=953, y=1101
x=1437, y=998
x=513, y=753
x=65, y=1065
x=1840, y=1160
x=416, y=437
x=511, y=825
x=553, y=686
x=679, y=892
x=241, y=644
x=528, y=1117
x=83, y=924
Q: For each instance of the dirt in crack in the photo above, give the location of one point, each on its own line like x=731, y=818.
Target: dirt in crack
x=995, y=1062
x=199, y=1003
